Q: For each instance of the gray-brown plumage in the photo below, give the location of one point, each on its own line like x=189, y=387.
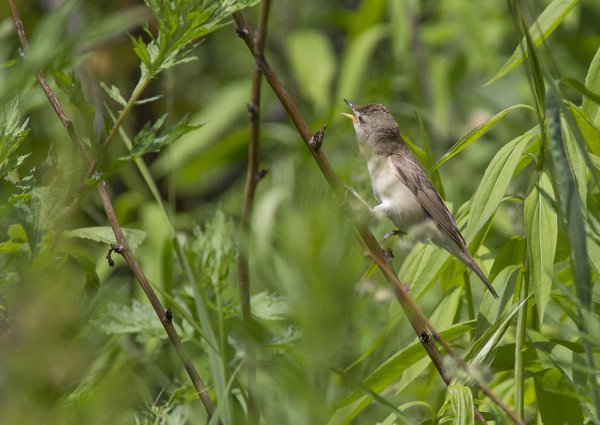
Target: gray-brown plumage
x=402, y=187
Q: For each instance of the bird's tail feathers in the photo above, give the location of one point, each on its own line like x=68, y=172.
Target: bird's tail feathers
x=470, y=262
x=465, y=256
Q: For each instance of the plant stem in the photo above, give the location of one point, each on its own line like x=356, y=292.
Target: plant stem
x=252, y=178
x=123, y=246
x=519, y=344
x=424, y=330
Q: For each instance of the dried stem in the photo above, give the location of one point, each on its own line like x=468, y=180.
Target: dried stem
x=253, y=176
x=122, y=247
x=424, y=330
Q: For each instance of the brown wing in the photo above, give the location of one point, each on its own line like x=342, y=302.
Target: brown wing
x=411, y=172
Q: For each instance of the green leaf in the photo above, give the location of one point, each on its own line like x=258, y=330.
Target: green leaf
x=139, y=319
x=17, y=240
x=491, y=310
x=150, y=139
x=13, y=129
x=589, y=130
x=267, y=306
x=87, y=263
x=105, y=235
x=576, y=161
x=213, y=250
x=592, y=83
x=558, y=401
x=356, y=60
x=571, y=204
x=541, y=228
x=481, y=350
x=541, y=29
x=114, y=93
x=389, y=371
x=494, y=183
x=312, y=61
x=475, y=135
x=223, y=112
x=422, y=266
x=461, y=399
x=12, y=164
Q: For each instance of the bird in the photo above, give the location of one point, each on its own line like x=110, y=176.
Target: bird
x=402, y=187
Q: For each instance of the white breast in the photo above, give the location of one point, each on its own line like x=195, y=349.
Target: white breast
x=397, y=202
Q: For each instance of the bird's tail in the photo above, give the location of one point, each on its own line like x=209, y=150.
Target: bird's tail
x=470, y=262
x=465, y=256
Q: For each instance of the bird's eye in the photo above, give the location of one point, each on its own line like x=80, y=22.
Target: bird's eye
x=361, y=119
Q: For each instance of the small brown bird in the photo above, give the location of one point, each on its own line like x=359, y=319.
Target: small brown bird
x=402, y=187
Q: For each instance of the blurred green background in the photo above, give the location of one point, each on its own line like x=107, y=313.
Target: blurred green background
x=80, y=344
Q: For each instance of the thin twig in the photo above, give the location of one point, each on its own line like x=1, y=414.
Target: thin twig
x=424, y=330
x=253, y=176
x=123, y=247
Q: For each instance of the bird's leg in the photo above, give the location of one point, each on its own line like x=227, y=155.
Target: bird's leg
x=396, y=232
x=356, y=195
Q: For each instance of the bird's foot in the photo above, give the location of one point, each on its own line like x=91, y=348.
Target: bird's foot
x=388, y=254
x=351, y=191
x=396, y=232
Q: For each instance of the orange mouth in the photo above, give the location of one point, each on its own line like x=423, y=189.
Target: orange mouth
x=349, y=116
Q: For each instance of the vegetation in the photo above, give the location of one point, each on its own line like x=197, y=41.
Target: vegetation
x=126, y=133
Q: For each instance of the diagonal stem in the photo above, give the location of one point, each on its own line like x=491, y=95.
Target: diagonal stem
x=123, y=247
x=252, y=178
x=424, y=330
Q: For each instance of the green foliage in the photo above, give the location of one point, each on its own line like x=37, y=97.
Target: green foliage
x=539, y=30
x=327, y=343
x=149, y=139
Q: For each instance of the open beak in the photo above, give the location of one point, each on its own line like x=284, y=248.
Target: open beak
x=349, y=116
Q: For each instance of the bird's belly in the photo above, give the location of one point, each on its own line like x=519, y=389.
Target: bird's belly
x=396, y=200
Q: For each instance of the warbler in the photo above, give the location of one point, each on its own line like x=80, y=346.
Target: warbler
x=402, y=187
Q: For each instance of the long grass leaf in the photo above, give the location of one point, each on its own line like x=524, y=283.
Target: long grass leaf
x=541, y=227
x=494, y=183
x=541, y=29
x=475, y=135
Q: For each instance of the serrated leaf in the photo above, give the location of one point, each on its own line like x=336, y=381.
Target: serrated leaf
x=312, y=61
x=541, y=228
x=494, y=183
x=12, y=164
x=541, y=29
x=104, y=234
x=13, y=129
x=213, y=249
x=151, y=139
x=138, y=319
x=268, y=306
x=114, y=93
x=461, y=400
x=475, y=135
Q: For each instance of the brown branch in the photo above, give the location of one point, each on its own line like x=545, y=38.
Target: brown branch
x=253, y=176
x=424, y=330
x=122, y=246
